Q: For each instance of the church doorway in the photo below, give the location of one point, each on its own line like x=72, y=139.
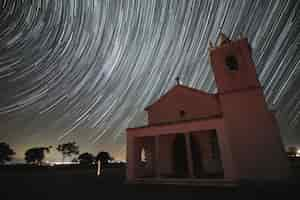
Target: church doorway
x=180, y=161
x=206, y=154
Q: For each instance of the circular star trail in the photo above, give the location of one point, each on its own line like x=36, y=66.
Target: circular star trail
x=91, y=65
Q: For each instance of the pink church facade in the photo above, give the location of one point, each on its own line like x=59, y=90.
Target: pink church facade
x=230, y=135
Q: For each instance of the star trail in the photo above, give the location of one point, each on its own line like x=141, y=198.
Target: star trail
x=84, y=70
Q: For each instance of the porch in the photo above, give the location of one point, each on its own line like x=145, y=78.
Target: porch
x=190, y=150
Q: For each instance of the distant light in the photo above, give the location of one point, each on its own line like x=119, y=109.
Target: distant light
x=63, y=163
x=298, y=152
x=116, y=161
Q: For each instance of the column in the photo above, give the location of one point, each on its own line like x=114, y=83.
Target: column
x=189, y=155
x=131, y=160
x=156, y=163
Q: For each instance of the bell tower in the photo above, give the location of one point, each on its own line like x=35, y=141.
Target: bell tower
x=232, y=65
x=251, y=129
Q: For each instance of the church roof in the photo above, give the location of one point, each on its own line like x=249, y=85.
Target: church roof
x=180, y=89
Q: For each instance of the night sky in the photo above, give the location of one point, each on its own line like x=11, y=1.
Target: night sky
x=84, y=70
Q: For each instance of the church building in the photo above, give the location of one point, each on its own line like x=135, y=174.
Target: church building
x=229, y=135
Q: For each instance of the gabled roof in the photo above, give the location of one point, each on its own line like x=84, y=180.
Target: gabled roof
x=179, y=88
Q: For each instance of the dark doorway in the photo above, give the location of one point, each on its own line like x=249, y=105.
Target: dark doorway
x=206, y=154
x=180, y=157
x=197, y=157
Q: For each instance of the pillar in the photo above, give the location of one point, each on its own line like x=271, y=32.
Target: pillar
x=156, y=163
x=189, y=155
x=131, y=161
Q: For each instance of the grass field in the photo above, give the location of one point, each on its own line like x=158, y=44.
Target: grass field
x=83, y=184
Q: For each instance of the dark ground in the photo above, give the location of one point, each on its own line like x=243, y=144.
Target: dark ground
x=82, y=183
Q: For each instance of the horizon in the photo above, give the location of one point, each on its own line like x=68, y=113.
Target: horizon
x=85, y=70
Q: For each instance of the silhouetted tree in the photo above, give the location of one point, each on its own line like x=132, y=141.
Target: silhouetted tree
x=292, y=151
x=86, y=158
x=6, y=153
x=103, y=157
x=36, y=155
x=68, y=149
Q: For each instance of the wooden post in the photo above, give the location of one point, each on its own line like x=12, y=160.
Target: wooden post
x=131, y=158
x=98, y=168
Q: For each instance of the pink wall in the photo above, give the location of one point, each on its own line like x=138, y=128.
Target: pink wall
x=173, y=128
x=195, y=104
x=253, y=136
x=228, y=162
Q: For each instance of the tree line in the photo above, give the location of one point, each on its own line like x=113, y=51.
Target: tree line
x=36, y=155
